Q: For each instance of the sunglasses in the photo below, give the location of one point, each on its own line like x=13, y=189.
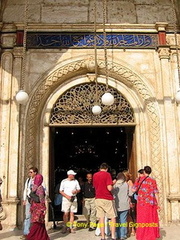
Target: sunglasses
x=30, y=172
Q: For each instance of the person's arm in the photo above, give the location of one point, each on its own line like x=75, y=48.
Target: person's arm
x=61, y=191
x=134, y=187
x=157, y=199
x=130, y=187
x=65, y=195
x=156, y=192
x=78, y=188
x=25, y=192
x=45, y=189
x=109, y=182
x=76, y=191
x=109, y=187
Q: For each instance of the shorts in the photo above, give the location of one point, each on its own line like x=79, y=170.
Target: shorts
x=106, y=208
x=68, y=206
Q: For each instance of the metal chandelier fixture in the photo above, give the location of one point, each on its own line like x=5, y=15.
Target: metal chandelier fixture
x=22, y=96
x=96, y=109
x=107, y=97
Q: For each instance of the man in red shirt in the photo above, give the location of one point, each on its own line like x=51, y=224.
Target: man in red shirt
x=104, y=200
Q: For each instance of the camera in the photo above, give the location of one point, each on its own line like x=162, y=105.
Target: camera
x=72, y=199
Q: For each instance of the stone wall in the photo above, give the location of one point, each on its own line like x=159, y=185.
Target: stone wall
x=81, y=11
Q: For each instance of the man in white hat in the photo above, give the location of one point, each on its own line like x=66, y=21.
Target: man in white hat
x=69, y=187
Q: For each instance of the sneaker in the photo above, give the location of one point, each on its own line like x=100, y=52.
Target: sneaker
x=71, y=230
x=92, y=229
x=23, y=237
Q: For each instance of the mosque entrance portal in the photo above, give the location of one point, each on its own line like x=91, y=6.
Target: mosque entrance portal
x=83, y=149
x=81, y=141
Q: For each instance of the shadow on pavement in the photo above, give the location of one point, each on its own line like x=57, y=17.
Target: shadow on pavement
x=162, y=234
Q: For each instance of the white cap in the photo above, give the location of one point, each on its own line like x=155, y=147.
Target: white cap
x=71, y=172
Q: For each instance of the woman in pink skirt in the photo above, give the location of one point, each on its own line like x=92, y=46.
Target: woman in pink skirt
x=147, y=207
x=38, y=230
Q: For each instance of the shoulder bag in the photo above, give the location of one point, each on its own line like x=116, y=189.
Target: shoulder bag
x=135, y=194
x=34, y=197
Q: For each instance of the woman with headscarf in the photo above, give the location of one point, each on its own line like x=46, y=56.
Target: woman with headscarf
x=38, y=230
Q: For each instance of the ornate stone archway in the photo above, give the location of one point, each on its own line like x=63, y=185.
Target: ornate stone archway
x=81, y=67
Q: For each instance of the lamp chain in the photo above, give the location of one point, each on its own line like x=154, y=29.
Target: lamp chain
x=24, y=45
x=176, y=40
x=95, y=48
x=105, y=45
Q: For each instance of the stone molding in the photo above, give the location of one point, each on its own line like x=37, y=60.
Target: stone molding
x=161, y=26
x=164, y=52
x=124, y=27
x=172, y=198
x=8, y=40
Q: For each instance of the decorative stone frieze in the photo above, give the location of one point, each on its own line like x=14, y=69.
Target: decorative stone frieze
x=171, y=40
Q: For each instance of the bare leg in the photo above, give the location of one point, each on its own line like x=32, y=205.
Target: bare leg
x=113, y=227
x=102, y=227
x=65, y=220
x=71, y=222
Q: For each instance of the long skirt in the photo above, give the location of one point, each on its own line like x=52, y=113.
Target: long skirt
x=38, y=232
x=147, y=222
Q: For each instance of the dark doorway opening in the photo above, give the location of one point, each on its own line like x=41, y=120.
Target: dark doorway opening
x=83, y=149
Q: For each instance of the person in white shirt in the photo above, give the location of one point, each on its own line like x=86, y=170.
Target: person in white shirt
x=27, y=189
x=69, y=187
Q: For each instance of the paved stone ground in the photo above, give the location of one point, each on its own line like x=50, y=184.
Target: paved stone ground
x=171, y=232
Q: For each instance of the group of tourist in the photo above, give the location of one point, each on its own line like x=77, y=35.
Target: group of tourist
x=112, y=202
x=112, y=206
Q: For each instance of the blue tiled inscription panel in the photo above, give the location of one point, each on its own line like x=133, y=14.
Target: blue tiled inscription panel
x=84, y=40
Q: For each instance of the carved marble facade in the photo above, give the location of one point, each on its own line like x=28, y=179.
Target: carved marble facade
x=145, y=76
